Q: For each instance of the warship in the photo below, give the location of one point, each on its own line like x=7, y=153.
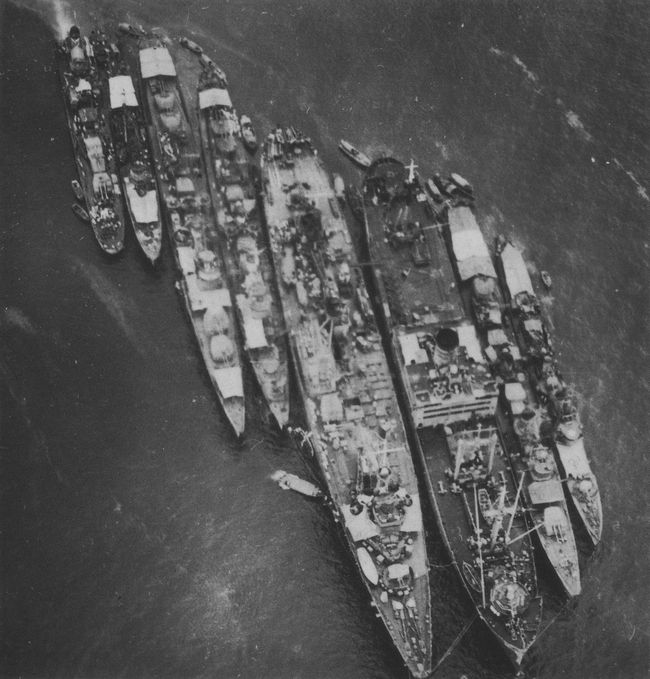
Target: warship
x=234, y=185
x=354, y=428
x=82, y=91
x=523, y=424
x=135, y=163
x=535, y=345
x=192, y=228
x=451, y=399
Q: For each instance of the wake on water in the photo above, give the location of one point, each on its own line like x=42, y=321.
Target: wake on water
x=572, y=119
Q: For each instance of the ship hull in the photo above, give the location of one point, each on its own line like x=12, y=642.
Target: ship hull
x=192, y=231
x=108, y=234
x=346, y=391
x=249, y=269
x=582, y=487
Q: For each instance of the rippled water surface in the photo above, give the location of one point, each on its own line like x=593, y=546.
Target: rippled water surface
x=139, y=539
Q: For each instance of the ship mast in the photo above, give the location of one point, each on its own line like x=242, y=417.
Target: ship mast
x=514, y=508
x=478, y=542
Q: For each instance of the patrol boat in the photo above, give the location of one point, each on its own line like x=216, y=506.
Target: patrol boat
x=234, y=181
x=192, y=229
x=137, y=174
x=355, y=430
x=451, y=398
x=90, y=141
x=534, y=342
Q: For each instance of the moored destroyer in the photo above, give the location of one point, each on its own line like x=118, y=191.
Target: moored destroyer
x=534, y=343
x=82, y=94
x=192, y=229
x=451, y=399
x=521, y=421
x=233, y=182
x=356, y=433
x=136, y=171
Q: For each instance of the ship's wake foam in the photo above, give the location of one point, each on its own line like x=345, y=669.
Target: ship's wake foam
x=58, y=13
x=573, y=120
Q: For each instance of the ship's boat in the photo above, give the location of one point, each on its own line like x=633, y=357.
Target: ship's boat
x=339, y=187
x=354, y=154
x=191, y=45
x=81, y=213
x=233, y=183
x=289, y=481
x=132, y=30
x=546, y=279
x=357, y=437
x=77, y=190
x=192, y=229
x=249, y=138
x=81, y=79
x=135, y=163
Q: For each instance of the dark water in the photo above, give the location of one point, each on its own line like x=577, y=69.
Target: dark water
x=138, y=538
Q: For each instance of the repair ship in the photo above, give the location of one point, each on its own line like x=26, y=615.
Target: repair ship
x=355, y=430
x=234, y=184
x=135, y=163
x=192, y=228
x=522, y=422
x=451, y=397
x=534, y=343
x=82, y=92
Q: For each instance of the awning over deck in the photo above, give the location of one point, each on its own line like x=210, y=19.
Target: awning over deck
x=229, y=381
x=545, y=492
x=468, y=244
x=144, y=208
x=122, y=91
x=254, y=331
x=215, y=96
x=156, y=61
x=516, y=273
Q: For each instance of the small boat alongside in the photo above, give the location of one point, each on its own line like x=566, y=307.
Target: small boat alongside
x=288, y=481
x=77, y=190
x=191, y=45
x=249, y=138
x=81, y=213
x=546, y=279
x=356, y=156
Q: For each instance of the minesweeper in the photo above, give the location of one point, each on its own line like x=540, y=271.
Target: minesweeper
x=520, y=419
x=451, y=398
x=134, y=160
x=82, y=92
x=234, y=184
x=355, y=429
x=192, y=228
x=534, y=343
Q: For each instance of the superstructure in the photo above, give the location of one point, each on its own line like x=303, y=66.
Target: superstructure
x=354, y=426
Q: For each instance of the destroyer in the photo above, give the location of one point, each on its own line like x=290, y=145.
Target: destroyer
x=90, y=142
x=129, y=132
x=356, y=432
x=535, y=345
x=447, y=383
x=519, y=417
x=192, y=229
x=233, y=181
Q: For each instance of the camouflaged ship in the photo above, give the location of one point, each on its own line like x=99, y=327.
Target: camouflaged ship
x=233, y=182
x=452, y=397
x=355, y=429
x=192, y=229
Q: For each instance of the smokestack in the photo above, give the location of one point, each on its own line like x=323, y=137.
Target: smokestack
x=446, y=346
